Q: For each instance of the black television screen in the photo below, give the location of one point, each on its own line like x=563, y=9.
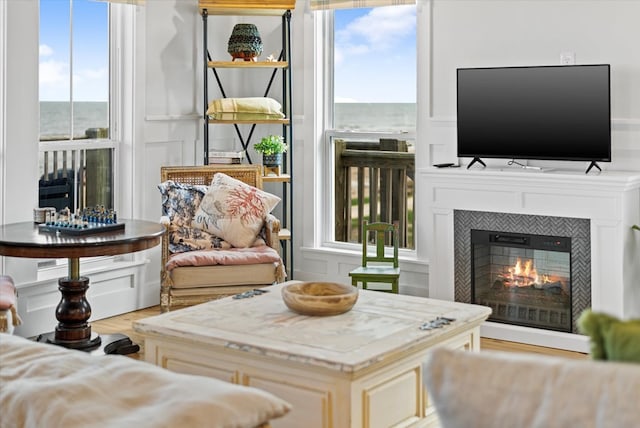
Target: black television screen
x=542, y=112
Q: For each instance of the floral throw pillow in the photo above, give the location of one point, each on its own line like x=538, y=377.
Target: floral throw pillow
x=233, y=210
x=183, y=239
x=180, y=201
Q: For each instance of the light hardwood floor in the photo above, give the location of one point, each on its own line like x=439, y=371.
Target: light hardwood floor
x=122, y=324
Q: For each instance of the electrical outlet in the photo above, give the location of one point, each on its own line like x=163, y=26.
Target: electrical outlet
x=567, y=58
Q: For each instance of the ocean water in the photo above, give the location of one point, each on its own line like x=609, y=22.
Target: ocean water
x=55, y=118
x=375, y=116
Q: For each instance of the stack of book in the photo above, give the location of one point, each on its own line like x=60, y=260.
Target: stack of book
x=226, y=157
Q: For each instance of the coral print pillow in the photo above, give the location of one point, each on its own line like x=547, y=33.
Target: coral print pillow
x=233, y=210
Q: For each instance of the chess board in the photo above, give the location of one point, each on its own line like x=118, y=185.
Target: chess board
x=86, y=228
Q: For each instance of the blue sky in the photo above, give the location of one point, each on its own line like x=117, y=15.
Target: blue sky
x=375, y=55
x=90, y=50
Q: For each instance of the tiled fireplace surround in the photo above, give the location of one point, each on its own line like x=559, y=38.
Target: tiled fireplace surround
x=609, y=201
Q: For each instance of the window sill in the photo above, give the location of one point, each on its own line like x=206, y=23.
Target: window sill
x=355, y=250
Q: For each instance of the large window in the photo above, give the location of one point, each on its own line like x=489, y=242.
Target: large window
x=371, y=81
x=76, y=154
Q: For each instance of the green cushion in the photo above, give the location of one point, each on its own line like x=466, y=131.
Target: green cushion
x=611, y=338
x=622, y=341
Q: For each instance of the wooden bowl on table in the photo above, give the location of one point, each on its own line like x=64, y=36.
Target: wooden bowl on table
x=319, y=298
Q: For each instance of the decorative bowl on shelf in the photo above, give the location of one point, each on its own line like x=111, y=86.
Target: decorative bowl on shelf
x=319, y=298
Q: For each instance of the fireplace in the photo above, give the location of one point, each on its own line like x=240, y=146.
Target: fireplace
x=489, y=244
x=595, y=210
x=525, y=279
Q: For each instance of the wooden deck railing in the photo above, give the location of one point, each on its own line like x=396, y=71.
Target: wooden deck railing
x=76, y=174
x=374, y=181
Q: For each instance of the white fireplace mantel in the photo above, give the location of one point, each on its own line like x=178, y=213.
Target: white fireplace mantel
x=610, y=200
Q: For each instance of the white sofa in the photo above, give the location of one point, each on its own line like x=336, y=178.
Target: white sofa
x=499, y=389
x=49, y=386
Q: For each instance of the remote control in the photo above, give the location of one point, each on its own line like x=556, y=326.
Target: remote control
x=443, y=165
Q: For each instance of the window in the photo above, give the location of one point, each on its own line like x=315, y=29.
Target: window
x=76, y=155
x=374, y=69
x=371, y=86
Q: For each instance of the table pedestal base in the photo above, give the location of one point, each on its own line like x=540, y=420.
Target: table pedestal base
x=82, y=345
x=99, y=345
x=73, y=312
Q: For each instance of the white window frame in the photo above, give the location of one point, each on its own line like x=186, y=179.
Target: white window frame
x=325, y=22
x=121, y=27
x=99, y=143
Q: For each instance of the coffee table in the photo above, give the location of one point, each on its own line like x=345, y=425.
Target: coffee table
x=362, y=368
x=25, y=239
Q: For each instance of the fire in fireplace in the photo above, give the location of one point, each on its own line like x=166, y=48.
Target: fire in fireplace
x=525, y=279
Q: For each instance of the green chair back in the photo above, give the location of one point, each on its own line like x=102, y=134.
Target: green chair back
x=380, y=232
x=378, y=267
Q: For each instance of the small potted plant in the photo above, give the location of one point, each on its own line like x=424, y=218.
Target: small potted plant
x=272, y=147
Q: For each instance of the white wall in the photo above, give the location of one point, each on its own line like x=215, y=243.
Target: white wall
x=18, y=122
x=470, y=33
x=169, y=97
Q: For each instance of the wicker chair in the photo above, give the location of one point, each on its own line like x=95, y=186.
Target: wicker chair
x=189, y=285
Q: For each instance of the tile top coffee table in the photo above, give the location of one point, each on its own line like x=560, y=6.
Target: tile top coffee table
x=362, y=368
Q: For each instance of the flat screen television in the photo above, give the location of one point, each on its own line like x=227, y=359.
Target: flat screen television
x=541, y=112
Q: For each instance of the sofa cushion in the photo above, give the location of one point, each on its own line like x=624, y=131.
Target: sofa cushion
x=46, y=385
x=499, y=389
x=233, y=210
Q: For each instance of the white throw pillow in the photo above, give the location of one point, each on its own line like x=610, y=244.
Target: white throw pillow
x=233, y=210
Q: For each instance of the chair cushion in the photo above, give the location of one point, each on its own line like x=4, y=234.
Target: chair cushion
x=233, y=210
x=207, y=277
x=380, y=271
x=232, y=256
